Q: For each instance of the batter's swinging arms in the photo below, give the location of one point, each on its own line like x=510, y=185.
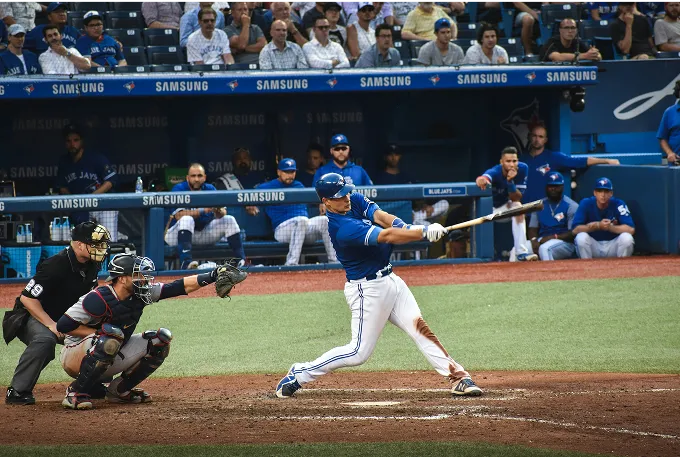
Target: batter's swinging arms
x=363, y=235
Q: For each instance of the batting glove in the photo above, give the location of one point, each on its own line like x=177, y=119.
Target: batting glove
x=435, y=232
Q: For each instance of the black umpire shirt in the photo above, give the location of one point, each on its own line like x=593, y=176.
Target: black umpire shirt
x=60, y=281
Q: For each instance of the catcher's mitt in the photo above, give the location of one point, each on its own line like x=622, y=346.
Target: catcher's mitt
x=228, y=276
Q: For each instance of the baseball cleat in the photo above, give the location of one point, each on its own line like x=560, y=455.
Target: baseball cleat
x=288, y=385
x=527, y=257
x=466, y=386
x=136, y=395
x=75, y=400
x=14, y=397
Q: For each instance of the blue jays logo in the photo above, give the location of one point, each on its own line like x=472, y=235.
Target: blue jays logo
x=545, y=169
x=559, y=216
x=332, y=82
x=434, y=79
x=519, y=121
x=29, y=89
x=233, y=85
x=603, y=182
x=531, y=76
x=129, y=86
x=338, y=138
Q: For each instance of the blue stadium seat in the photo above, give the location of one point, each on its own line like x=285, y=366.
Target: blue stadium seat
x=513, y=46
x=606, y=47
x=159, y=55
x=551, y=15
x=126, y=6
x=668, y=55
x=208, y=67
x=415, y=47
x=132, y=69
x=396, y=33
x=415, y=63
x=404, y=49
x=129, y=37
x=534, y=58
x=465, y=44
x=136, y=55
x=124, y=20
x=88, y=6
x=169, y=68
x=161, y=37
x=245, y=66
x=468, y=31
x=75, y=19
x=588, y=30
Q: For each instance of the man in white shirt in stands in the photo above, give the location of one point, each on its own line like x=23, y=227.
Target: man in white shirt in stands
x=58, y=60
x=208, y=45
x=323, y=53
x=485, y=51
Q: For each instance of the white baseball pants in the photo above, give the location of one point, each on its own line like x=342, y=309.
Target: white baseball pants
x=300, y=230
x=519, y=229
x=588, y=248
x=212, y=233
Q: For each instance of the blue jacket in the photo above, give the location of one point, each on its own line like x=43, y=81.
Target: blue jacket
x=36, y=41
x=105, y=51
x=11, y=65
x=353, y=174
x=281, y=213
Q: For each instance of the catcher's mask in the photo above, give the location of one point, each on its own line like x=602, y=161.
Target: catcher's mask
x=139, y=268
x=95, y=237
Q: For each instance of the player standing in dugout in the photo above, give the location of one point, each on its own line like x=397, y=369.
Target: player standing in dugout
x=58, y=283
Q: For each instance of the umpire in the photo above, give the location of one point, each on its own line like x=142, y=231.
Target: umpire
x=58, y=283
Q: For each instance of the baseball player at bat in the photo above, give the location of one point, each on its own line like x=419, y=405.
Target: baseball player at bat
x=509, y=181
x=363, y=236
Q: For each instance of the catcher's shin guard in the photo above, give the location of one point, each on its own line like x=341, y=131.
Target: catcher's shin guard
x=158, y=350
x=99, y=358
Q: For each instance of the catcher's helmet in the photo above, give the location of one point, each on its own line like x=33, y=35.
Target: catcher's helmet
x=332, y=185
x=95, y=236
x=555, y=178
x=139, y=268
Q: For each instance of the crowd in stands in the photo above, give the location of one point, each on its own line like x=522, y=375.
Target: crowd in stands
x=170, y=36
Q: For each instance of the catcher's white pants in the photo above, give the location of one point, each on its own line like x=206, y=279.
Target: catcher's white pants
x=212, y=233
x=108, y=219
x=588, y=248
x=132, y=352
x=300, y=230
x=373, y=303
x=519, y=229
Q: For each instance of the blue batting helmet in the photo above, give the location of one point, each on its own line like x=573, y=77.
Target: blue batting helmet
x=555, y=179
x=332, y=185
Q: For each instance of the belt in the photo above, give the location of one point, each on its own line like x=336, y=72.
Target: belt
x=384, y=272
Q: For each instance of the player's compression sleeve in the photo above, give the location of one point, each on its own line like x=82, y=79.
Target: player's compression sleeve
x=163, y=291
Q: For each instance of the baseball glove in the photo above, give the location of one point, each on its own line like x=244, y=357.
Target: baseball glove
x=228, y=276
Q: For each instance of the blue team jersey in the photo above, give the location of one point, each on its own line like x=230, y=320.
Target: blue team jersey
x=541, y=165
x=86, y=175
x=669, y=128
x=36, y=41
x=105, y=51
x=616, y=211
x=500, y=183
x=607, y=9
x=281, y=213
x=11, y=65
x=205, y=218
x=554, y=218
x=353, y=174
x=355, y=239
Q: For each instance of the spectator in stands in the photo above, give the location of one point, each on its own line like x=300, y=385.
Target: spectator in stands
x=302, y=8
x=603, y=224
x=337, y=32
x=420, y=23
x=162, y=15
x=219, y=7
x=102, y=50
x=602, y=11
x=15, y=60
x=528, y=19
x=486, y=51
x=653, y=10
x=3, y=36
x=340, y=151
x=441, y=51
x=360, y=35
x=291, y=223
x=189, y=22
x=566, y=47
x=56, y=15
x=382, y=14
x=550, y=229
x=315, y=159
x=323, y=53
x=188, y=226
x=245, y=39
x=208, y=45
x=400, y=11
x=281, y=54
x=392, y=174
x=296, y=32
x=86, y=173
x=542, y=161
x=632, y=34
x=22, y=13
x=669, y=129
x=311, y=15
x=59, y=60
x=667, y=30
x=381, y=54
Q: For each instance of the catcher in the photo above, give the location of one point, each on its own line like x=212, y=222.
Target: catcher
x=100, y=339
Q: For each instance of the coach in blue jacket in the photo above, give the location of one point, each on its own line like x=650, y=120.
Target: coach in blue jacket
x=16, y=61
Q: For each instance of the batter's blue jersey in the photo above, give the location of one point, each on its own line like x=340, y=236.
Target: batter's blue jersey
x=105, y=51
x=541, y=165
x=203, y=219
x=500, y=183
x=554, y=218
x=617, y=211
x=353, y=174
x=281, y=213
x=355, y=239
x=86, y=175
x=36, y=41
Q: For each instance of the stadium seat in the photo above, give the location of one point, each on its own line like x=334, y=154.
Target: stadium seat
x=124, y=20
x=88, y=6
x=467, y=31
x=534, y=58
x=126, y=6
x=169, y=68
x=588, y=30
x=208, y=67
x=551, y=15
x=99, y=70
x=513, y=46
x=160, y=55
x=465, y=44
x=129, y=37
x=244, y=66
x=396, y=33
x=606, y=47
x=415, y=47
x=136, y=55
x=668, y=55
x=161, y=37
x=415, y=63
x=132, y=69
x=75, y=19
x=404, y=50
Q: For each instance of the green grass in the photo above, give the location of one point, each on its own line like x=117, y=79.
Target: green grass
x=284, y=450
x=618, y=325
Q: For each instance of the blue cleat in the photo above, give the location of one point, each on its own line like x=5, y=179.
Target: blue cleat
x=466, y=386
x=527, y=258
x=288, y=385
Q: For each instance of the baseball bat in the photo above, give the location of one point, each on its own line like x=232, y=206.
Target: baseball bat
x=507, y=214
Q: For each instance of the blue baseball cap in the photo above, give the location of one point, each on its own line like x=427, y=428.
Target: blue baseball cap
x=287, y=165
x=339, y=139
x=604, y=183
x=555, y=179
x=91, y=15
x=55, y=6
x=442, y=23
